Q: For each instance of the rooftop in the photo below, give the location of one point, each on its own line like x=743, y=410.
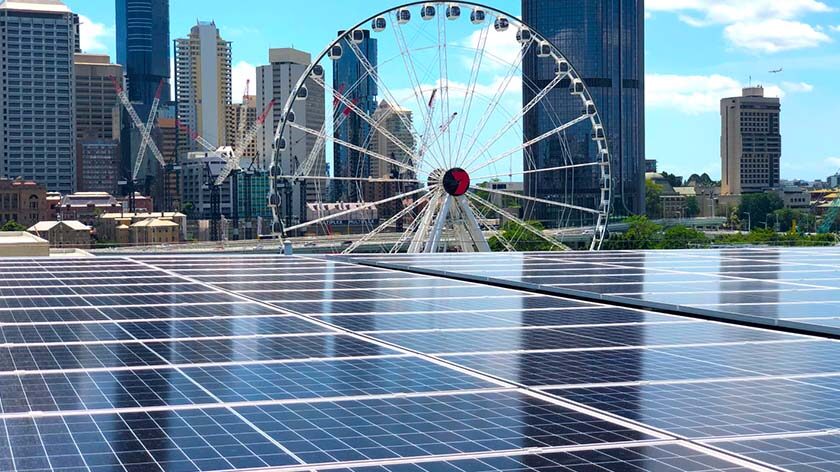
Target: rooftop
x=55, y=6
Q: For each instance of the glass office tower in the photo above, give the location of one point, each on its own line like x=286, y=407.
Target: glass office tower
x=143, y=47
x=604, y=41
x=352, y=79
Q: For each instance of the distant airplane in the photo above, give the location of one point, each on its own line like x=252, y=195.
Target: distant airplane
x=776, y=71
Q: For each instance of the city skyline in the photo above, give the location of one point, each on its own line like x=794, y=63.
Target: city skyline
x=683, y=90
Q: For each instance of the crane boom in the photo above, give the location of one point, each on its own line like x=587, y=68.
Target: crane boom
x=144, y=144
x=195, y=137
x=233, y=163
x=138, y=123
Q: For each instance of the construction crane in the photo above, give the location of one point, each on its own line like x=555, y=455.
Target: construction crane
x=232, y=165
x=146, y=143
x=830, y=217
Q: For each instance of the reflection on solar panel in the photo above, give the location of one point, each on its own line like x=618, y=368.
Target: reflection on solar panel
x=789, y=287
x=224, y=362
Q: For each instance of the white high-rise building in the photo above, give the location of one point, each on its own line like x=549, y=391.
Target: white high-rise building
x=37, y=104
x=203, y=81
x=276, y=81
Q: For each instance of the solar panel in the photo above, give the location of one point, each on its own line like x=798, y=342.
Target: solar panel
x=773, y=286
x=227, y=362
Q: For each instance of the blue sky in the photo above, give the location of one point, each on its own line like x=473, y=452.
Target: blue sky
x=697, y=51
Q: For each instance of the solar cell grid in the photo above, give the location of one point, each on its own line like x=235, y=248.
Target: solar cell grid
x=158, y=441
x=715, y=409
x=332, y=378
x=68, y=392
x=667, y=457
x=423, y=426
x=799, y=454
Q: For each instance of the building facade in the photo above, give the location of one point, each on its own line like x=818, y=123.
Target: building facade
x=98, y=165
x=277, y=81
x=37, y=105
x=203, y=81
x=97, y=104
x=750, y=142
x=63, y=234
x=604, y=42
x=241, y=117
x=23, y=201
x=143, y=48
x=352, y=79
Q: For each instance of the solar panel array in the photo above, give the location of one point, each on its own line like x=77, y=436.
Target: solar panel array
x=788, y=287
x=226, y=362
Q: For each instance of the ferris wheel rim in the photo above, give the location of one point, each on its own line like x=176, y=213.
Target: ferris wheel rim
x=604, y=209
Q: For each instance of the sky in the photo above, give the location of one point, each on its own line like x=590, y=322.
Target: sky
x=696, y=52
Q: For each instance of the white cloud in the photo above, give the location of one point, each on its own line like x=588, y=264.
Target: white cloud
x=93, y=36
x=835, y=28
x=832, y=161
x=695, y=94
x=774, y=35
x=242, y=72
x=764, y=26
x=707, y=12
x=501, y=49
x=797, y=87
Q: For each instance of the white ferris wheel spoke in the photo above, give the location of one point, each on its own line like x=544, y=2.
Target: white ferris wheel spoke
x=357, y=209
x=351, y=179
x=353, y=147
x=497, y=98
x=386, y=224
x=420, y=97
x=367, y=119
x=475, y=70
x=371, y=71
x=523, y=224
x=516, y=118
x=536, y=171
x=443, y=66
x=540, y=200
x=496, y=232
x=530, y=143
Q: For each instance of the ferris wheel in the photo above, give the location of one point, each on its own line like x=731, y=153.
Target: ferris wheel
x=440, y=140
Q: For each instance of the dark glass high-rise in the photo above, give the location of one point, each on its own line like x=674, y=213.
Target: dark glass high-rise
x=604, y=41
x=352, y=79
x=143, y=47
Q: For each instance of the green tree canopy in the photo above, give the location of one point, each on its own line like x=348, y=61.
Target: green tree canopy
x=681, y=237
x=12, y=225
x=692, y=207
x=653, y=200
x=758, y=206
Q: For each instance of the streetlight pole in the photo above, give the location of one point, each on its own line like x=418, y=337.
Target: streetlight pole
x=749, y=221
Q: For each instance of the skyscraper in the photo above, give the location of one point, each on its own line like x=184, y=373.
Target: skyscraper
x=277, y=81
x=203, y=81
x=750, y=142
x=37, y=105
x=143, y=48
x=604, y=41
x=352, y=79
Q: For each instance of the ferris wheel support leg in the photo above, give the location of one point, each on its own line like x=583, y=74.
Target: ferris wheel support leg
x=416, y=245
x=472, y=226
x=437, y=230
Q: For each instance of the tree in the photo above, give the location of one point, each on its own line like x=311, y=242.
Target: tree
x=653, y=200
x=692, y=207
x=681, y=237
x=641, y=234
x=703, y=180
x=759, y=205
x=12, y=225
x=673, y=180
x=793, y=220
x=521, y=238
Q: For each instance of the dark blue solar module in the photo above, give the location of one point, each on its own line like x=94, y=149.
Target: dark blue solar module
x=761, y=285
x=725, y=408
x=228, y=362
x=820, y=452
x=423, y=426
x=666, y=457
